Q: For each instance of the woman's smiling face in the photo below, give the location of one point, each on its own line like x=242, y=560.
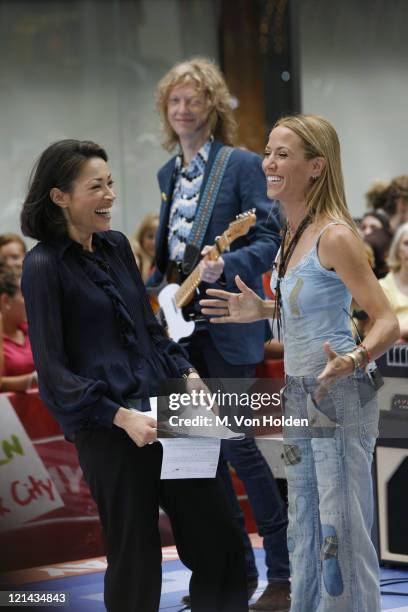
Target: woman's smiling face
x=13, y=254
x=88, y=206
x=288, y=172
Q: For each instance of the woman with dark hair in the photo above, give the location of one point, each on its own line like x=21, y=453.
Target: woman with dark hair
x=376, y=232
x=374, y=220
x=99, y=351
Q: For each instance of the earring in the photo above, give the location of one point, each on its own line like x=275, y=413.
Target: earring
x=315, y=177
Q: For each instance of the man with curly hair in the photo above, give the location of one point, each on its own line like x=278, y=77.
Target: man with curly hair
x=196, y=112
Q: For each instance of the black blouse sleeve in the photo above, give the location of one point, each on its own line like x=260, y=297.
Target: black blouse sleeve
x=75, y=401
x=157, y=333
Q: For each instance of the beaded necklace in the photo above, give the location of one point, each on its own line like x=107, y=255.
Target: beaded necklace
x=282, y=266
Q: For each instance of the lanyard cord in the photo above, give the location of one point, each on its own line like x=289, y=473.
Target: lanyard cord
x=282, y=266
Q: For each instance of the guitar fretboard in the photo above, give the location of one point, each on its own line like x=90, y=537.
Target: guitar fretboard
x=239, y=227
x=186, y=291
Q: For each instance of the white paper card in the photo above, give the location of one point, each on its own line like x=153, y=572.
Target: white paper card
x=187, y=457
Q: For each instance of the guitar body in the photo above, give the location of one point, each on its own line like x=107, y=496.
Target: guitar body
x=177, y=326
x=173, y=297
x=173, y=275
x=154, y=302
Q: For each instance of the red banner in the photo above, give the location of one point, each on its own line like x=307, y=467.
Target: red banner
x=68, y=533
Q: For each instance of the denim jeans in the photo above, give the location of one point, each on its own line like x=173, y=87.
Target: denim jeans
x=266, y=503
x=334, y=565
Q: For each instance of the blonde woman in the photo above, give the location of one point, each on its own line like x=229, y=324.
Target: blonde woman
x=144, y=243
x=321, y=265
x=395, y=284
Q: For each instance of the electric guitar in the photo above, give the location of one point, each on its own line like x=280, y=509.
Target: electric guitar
x=174, y=297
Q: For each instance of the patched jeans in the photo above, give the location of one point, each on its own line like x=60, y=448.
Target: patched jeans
x=334, y=566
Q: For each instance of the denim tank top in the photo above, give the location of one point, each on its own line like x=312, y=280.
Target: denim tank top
x=315, y=303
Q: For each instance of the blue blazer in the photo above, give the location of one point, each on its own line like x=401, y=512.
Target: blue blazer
x=243, y=187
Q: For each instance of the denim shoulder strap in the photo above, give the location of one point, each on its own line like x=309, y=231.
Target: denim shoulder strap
x=205, y=208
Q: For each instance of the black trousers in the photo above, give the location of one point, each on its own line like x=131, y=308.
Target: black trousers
x=125, y=483
x=251, y=467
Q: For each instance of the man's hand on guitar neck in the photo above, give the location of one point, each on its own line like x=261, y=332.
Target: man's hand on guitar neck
x=210, y=270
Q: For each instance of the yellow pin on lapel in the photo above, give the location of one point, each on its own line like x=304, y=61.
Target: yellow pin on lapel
x=164, y=197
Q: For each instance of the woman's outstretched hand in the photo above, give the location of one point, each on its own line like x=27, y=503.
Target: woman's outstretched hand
x=244, y=307
x=336, y=367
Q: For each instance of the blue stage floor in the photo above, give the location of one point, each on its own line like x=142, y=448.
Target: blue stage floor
x=85, y=591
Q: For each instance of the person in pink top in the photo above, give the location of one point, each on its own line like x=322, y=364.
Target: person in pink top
x=18, y=370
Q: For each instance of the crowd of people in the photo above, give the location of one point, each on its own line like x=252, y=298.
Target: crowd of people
x=383, y=228
x=76, y=319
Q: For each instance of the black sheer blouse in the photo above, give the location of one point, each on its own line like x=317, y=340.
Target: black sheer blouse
x=95, y=340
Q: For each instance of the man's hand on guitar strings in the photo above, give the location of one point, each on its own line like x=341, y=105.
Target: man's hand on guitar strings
x=210, y=270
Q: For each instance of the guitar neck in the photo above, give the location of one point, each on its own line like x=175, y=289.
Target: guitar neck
x=186, y=291
x=239, y=227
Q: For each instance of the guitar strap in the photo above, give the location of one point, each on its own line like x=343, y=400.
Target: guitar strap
x=205, y=208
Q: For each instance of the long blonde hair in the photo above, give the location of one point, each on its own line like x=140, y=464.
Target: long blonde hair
x=326, y=197
x=144, y=260
x=206, y=77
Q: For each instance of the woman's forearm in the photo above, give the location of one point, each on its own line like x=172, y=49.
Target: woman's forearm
x=267, y=309
x=383, y=334
x=18, y=383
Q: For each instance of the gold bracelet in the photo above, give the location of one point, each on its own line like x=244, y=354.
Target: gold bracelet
x=364, y=354
x=353, y=359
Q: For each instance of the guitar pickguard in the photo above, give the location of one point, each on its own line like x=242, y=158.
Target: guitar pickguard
x=172, y=298
x=177, y=326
